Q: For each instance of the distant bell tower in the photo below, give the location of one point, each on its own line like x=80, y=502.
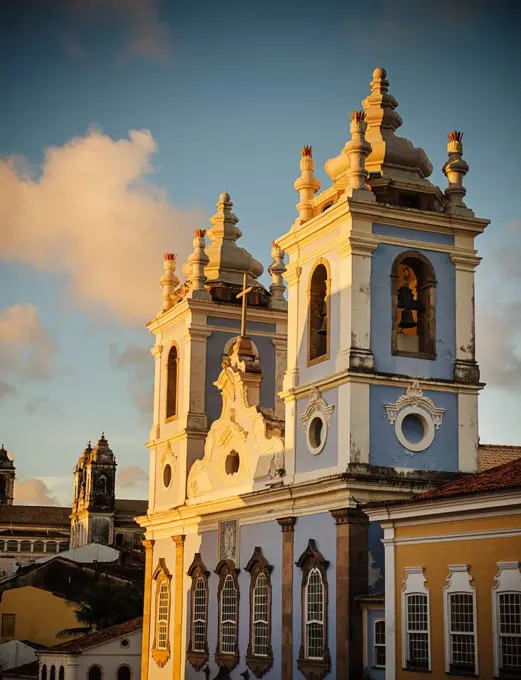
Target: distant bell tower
x=7, y=475
x=92, y=518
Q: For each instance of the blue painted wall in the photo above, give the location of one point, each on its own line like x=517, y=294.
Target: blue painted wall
x=214, y=356
x=376, y=559
x=385, y=449
x=374, y=673
x=322, y=528
x=413, y=234
x=328, y=457
x=381, y=314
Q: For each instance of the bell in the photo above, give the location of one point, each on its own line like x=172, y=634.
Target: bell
x=405, y=298
x=323, y=328
x=407, y=320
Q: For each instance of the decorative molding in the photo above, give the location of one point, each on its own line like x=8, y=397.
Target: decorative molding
x=227, y=661
x=287, y=523
x=414, y=402
x=198, y=570
x=508, y=579
x=161, y=573
x=227, y=541
x=414, y=584
x=459, y=581
x=317, y=403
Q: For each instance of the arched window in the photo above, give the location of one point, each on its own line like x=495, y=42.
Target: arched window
x=314, y=658
x=12, y=546
x=94, y=673
x=197, y=652
x=414, y=306
x=124, y=672
x=102, y=485
x=2, y=546
x=38, y=547
x=319, y=313
x=259, y=655
x=227, y=654
x=25, y=546
x=53, y=672
x=51, y=547
x=161, y=646
x=172, y=380
x=63, y=546
x=138, y=538
x=44, y=672
x=61, y=673
x=119, y=540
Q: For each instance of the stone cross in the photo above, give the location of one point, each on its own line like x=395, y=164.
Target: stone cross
x=244, y=295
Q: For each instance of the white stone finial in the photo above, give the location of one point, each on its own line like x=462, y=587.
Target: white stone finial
x=277, y=269
x=196, y=264
x=455, y=170
x=357, y=150
x=169, y=280
x=307, y=184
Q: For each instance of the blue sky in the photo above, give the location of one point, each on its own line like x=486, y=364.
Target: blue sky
x=229, y=92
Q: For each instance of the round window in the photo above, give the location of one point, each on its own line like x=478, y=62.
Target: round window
x=316, y=433
x=167, y=475
x=125, y=642
x=231, y=464
x=414, y=429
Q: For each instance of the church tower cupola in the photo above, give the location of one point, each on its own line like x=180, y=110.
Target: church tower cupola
x=455, y=170
x=7, y=476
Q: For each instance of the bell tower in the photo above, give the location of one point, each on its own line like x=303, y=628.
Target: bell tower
x=92, y=518
x=7, y=477
x=381, y=352
x=195, y=331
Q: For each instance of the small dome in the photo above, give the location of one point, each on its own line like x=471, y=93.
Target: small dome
x=224, y=197
x=379, y=73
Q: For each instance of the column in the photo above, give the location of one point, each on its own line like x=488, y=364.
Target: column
x=147, y=604
x=288, y=534
x=351, y=581
x=178, y=603
x=156, y=352
x=465, y=367
x=390, y=603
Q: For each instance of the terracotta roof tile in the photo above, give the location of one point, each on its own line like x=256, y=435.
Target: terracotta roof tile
x=97, y=638
x=131, y=505
x=492, y=455
x=499, y=478
x=27, y=669
x=38, y=515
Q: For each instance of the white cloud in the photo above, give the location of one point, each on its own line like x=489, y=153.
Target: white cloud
x=92, y=215
x=41, y=405
x=132, y=476
x=26, y=348
x=32, y=491
x=138, y=366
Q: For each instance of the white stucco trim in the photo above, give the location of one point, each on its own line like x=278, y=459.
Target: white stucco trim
x=459, y=536
x=458, y=581
x=508, y=579
x=428, y=429
x=414, y=584
x=390, y=603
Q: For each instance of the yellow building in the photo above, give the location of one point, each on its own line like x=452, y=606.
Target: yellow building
x=453, y=580
x=30, y=613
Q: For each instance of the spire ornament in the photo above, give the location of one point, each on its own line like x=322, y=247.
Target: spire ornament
x=455, y=170
x=169, y=280
x=196, y=264
x=277, y=269
x=357, y=150
x=307, y=184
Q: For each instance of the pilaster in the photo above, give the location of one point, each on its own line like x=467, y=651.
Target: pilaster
x=280, y=367
x=147, y=605
x=390, y=603
x=292, y=277
x=287, y=525
x=465, y=367
x=156, y=352
x=178, y=604
x=351, y=581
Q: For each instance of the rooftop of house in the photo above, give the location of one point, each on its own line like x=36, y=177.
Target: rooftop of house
x=27, y=670
x=97, y=638
x=492, y=455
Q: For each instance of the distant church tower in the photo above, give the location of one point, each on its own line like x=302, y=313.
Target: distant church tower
x=93, y=508
x=7, y=475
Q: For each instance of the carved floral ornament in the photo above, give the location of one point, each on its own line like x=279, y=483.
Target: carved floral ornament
x=316, y=421
x=422, y=409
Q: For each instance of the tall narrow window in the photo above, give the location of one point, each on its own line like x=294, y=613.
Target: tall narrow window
x=415, y=621
x=124, y=672
x=8, y=625
x=459, y=608
x=227, y=654
x=413, y=302
x=379, y=643
x=53, y=672
x=172, y=382
x=61, y=673
x=506, y=607
x=161, y=645
x=44, y=672
x=314, y=659
x=95, y=672
x=259, y=655
x=197, y=652
x=318, y=313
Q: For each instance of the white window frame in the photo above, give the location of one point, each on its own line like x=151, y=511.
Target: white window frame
x=459, y=582
x=229, y=579
x=508, y=580
x=307, y=621
x=414, y=584
x=375, y=645
x=163, y=582
x=199, y=619
x=256, y=618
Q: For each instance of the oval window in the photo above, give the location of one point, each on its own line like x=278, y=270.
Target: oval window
x=232, y=463
x=167, y=475
x=316, y=433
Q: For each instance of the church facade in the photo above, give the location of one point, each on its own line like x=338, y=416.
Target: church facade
x=275, y=422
